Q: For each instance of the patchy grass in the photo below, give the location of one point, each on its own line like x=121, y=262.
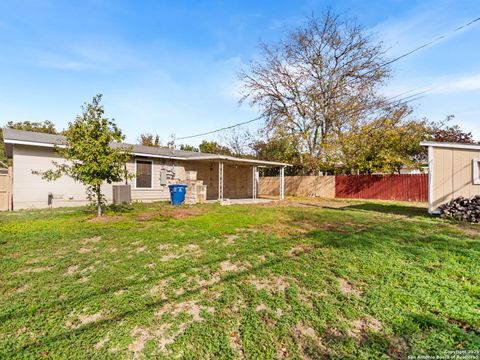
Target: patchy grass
x=301, y=279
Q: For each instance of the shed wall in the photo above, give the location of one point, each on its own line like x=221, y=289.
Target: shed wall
x=452, y=175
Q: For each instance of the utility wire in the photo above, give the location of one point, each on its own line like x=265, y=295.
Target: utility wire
x=413, y=97
x=222, y=129
x=430, y=42
x=388, y=101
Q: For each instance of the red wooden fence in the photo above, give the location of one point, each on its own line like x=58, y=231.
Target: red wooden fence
x=382, y=187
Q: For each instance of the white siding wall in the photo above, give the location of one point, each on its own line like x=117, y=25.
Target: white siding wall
x=31, y=191
x=157, y=192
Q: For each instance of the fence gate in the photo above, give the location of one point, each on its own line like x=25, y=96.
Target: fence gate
x=6, y=189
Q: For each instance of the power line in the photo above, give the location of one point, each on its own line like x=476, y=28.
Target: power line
x=430, y=42
x=388, y=101
x=413, y=97
x=222, y=129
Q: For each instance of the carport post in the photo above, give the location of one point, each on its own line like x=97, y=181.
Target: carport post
x=254, y=182
x=220, y=181
x=282, y=183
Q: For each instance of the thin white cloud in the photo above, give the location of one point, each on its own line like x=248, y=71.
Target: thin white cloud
x=460, y=83
x=89, y=54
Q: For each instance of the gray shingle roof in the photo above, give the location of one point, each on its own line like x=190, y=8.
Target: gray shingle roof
x=41, y=139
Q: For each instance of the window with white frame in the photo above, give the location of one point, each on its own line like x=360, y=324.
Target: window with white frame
x=144, y=174
x=476, y=171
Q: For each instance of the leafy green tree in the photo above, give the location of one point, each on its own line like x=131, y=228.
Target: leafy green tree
x=186, y=147
x=92, y=153
x=279, y=149
x=42, y=127
x=212, y=147
x=379, y=146
x=3, y=157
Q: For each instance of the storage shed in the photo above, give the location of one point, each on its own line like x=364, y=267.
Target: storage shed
x=454, y=171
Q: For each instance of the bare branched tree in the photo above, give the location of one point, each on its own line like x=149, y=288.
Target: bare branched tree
x=314, y=82
x=239, y=141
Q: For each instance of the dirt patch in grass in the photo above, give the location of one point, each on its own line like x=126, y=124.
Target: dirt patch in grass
x=192, y=250
x=261, y=307
x=189, y=307
x=83, y=319
x=300, y=249
x=165, y=334
x=71, y=270
x=84, y=250
x=119, y=292
x=302, y=228
x=176, y=213
x=163, y=247
x=106, y=219
x=141, y=337
x=91, y=240
x=273, y=284
x=212, y=280
x=398, y=349
x=230, y=239
x=169, y=257
x=22, y=289
x=159, y=289
x=361, y=328
x=347, y=289
x=309, y=342
x=99, y=345
x=236, y=343
x=228, y=266
x=140, y=249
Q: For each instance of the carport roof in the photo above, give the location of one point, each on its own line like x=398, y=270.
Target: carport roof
x=21, y=137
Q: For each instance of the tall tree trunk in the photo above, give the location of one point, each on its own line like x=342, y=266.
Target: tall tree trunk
x=99, y=201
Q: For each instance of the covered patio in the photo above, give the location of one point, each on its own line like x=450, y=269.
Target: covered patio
x=233, y=178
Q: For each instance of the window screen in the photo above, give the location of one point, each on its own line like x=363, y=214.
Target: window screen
x=144, y=174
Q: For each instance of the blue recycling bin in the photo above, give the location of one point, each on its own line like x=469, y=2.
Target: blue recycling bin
x=177, y=193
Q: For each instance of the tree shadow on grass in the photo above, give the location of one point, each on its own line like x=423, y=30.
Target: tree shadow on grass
x=393, y=209
x=227, y=278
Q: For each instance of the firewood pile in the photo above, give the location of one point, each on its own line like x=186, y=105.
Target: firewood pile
x=462, y=209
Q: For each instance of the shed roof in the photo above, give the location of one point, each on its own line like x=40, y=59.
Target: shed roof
x=21, y=137
x=450, y=145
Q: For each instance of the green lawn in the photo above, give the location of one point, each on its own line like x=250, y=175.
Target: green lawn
x=302, y=279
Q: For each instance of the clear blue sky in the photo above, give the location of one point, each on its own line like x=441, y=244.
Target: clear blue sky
x=170, y=66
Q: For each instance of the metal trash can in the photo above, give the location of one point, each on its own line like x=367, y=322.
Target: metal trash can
x=177, y=193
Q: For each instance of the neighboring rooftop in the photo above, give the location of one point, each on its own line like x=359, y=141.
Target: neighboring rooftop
x=21, y=137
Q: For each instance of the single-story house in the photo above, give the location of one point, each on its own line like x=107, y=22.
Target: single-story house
x=225, y=177
x=454, y=171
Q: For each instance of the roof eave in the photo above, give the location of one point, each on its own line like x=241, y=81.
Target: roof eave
x=450, y=145
x=182, y=158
